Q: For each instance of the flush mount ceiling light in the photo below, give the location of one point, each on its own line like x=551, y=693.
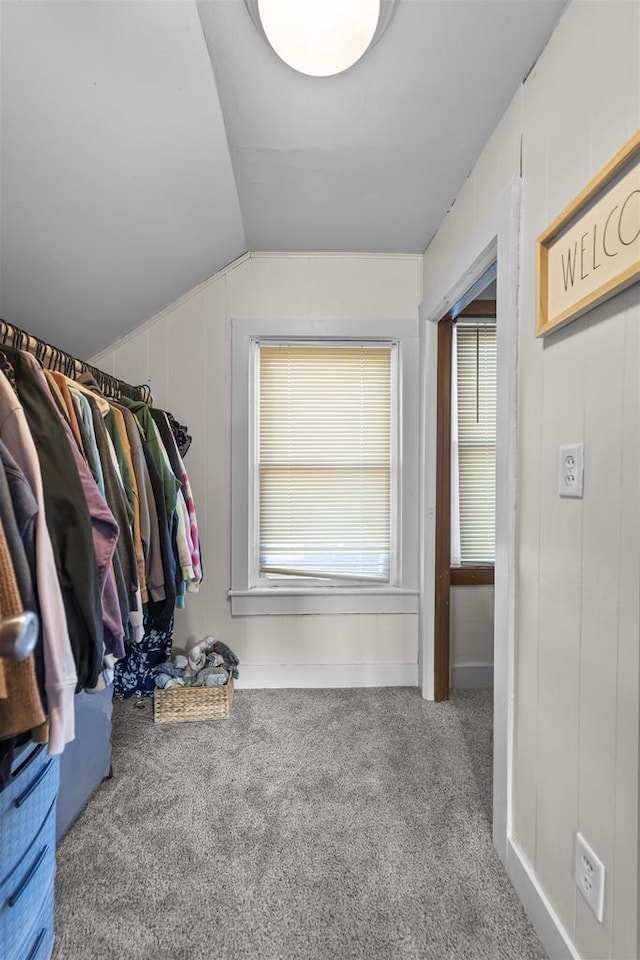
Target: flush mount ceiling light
x=321, y=37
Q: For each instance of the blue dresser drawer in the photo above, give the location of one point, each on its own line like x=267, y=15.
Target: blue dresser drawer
x=25, y=892
x=24, y=804
x=39, y=945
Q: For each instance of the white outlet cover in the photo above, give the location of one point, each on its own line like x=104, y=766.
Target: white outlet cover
x=571, y=470
x=589, y=876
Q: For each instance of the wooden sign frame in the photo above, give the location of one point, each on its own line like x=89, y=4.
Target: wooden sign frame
x=577, y=211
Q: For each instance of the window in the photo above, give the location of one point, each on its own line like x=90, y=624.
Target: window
x=324, y=485
x=473, y=442
x=324, y=467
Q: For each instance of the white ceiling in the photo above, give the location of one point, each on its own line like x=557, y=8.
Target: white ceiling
x=147, y=143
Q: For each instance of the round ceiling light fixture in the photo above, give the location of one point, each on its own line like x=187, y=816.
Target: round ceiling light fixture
x=320, y=37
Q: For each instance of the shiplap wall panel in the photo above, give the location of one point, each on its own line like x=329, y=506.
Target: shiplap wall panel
x=577, y=560
x=628, y=659
x=215, y=495
x=530, y=430
x=130, y=361
x=525, y=774
x=604, y=361
x=609, y=30
x=570, y=47
x=158, y=355
x=185, y=354
x=559, y=629
x=270, y=288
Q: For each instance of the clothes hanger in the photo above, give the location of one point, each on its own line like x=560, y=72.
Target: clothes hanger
x=116, y=388
x=41, y=351
x=59, y=361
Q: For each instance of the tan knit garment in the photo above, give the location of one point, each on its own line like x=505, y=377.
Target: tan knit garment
x=21, y=709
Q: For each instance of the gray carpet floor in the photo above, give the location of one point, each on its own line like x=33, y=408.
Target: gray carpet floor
x=311, y=825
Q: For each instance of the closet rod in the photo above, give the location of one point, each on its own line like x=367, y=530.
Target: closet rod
x=55, y=359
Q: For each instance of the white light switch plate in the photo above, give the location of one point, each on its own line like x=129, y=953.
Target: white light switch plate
x=571, y=470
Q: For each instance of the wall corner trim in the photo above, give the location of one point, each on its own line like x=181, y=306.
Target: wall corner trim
x=331, y=255
x=553, y=936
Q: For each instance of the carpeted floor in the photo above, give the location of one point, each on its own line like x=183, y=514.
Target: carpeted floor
x=311, y=825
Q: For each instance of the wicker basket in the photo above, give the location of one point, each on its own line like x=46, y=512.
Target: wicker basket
x=192, y=703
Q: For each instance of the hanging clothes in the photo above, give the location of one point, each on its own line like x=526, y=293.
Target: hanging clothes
x=97, y=492
x=21, y=709
x=18, y=512
x=68, y=518
x=192, y=538
x=135, y=673
x=59, y=664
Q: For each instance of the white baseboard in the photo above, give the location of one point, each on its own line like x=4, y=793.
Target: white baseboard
x=553, y=936
x=471, y=675
x=328, y=675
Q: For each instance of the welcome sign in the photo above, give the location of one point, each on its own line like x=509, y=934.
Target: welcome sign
x=592, y=250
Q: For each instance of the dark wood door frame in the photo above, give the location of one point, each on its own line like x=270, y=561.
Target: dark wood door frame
x=444, y=574
x=443, y=512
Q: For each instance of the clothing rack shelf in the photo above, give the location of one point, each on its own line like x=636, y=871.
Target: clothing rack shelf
x=55, y=359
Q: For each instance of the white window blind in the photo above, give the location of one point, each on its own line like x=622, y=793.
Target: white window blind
x=476, y=439
x=325, y=461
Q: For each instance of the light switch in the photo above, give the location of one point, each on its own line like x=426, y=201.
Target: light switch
x=571, y=470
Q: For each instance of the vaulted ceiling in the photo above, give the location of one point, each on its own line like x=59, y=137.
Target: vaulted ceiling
x=145, y=144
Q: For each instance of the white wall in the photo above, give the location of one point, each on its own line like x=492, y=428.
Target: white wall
x=471, y=631
x=578, y=620
x=185, y=355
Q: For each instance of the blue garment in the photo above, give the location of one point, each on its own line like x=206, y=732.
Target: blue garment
x=216, y=679
x=164, y=680
x=170, y=669
x=136, y=672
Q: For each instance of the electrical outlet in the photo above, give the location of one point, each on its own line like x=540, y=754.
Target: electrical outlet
x=571, y=470
x=589, y=876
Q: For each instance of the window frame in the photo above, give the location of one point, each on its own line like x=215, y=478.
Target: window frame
x=256, y=580
x=250, y=595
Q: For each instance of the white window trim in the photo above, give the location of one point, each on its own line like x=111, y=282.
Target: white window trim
x=398, y=597
x=255, y=579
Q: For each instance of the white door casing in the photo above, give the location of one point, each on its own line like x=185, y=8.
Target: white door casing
x=496, y=238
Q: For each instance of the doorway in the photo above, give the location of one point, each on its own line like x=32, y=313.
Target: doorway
x=495, y=239
x=465, y=490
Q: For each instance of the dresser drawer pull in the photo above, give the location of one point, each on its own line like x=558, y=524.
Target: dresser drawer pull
x=32, y=786
x=35, y=949
x=28, y=877
x=27, y=763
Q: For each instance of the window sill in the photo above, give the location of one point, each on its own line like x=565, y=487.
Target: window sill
x=472, y=576
x=330, y=600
